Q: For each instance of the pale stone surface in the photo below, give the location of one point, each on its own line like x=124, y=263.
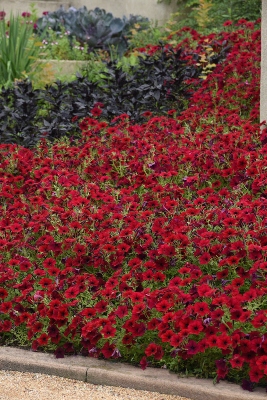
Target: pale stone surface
x=146, y=8
x=63, y=67
x=102, y=372
x=31, y=386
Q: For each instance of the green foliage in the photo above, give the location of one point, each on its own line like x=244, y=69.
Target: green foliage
x=34, y=12
x=209, y=15
x=95, y=68
x=235, y=10
x=59, y=46
x=202, y=15
x=62, y=46
x=18, y=50
x=96, y=28
x=143, y=37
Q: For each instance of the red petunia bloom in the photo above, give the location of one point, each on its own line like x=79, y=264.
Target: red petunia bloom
x=261, y=363
x=167, y=250
x=5, y=307
x=204, y=258
x=260, y=320
x=228, y=23
x=96, y=111
x=108, y=331
x=49, y=262
x=43, y=339
x=147, y=114
x=153, y=324
x=237, y=361
x=138, y=308
x=79, y=249
x=192, y=347
x=255, y=374
x=195, y=327
x=138, y=329
x=15, y=228
x=176, y=340
x=154, y=350
x=224, y=341
x=46, y=282
x=205, y=290
x=201, y=308
x=122, y=311
x=143, y=363
x=107, y=350
x=137, y=296
x=212, y=340
x=163, y=306
x=72, y=292
x=101, y=306
x=3, y=293
x=88, y=312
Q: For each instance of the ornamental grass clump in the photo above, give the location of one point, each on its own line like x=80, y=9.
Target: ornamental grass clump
x=18, y=50
x=146, y=242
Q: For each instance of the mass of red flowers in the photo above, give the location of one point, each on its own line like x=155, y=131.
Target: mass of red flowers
x=147, y=242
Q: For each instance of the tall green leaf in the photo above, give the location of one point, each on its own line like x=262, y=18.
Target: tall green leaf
x=18, y=50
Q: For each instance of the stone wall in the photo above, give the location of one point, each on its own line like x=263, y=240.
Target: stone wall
x=146, y=8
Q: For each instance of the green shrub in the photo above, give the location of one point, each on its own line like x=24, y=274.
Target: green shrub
x=209, y=15
x=96, y=28
x=59, y=46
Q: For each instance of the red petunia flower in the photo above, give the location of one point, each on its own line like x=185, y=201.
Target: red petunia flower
x=107, y=350
x=143, y=363
x=255, y=374
x=108, y=331
x=261, y=363
x=43, y=339
x=151, y=349
x=204, y=258
x=201, y=308
x=72, y=292
x=195, y=327
x=3, y=293
x=96, y=112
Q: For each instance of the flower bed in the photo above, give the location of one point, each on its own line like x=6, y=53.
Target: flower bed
x=146, y=242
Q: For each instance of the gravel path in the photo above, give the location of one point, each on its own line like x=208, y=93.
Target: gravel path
x=29, y=386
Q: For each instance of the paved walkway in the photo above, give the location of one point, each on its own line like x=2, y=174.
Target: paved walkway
x=107, y=373
x=16, y=385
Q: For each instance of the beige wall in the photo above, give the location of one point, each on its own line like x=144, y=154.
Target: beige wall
x=263, y=104
x=146, y=8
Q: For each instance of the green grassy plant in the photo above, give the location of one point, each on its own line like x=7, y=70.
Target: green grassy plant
x=19, y=50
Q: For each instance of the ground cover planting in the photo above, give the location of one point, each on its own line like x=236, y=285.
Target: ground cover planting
x=146, y=242
x=163, y=79
x=157, y=84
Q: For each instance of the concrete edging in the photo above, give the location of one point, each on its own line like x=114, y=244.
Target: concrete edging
x=108, y=373
x=64, y=67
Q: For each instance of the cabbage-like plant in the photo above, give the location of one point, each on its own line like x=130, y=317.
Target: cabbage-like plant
x=19, y=50
x=97, y=28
